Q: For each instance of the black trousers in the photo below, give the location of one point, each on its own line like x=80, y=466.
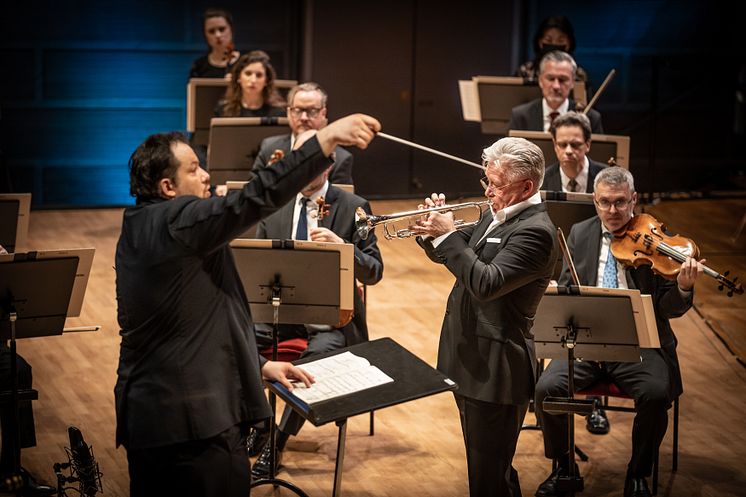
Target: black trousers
x=490, y=436
x=216, y=467
x=647, y=382
x=25, y=412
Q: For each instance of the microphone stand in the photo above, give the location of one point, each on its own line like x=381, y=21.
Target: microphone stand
x=272, y=477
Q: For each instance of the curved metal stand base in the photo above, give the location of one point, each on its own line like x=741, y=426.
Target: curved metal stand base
x=276, y=482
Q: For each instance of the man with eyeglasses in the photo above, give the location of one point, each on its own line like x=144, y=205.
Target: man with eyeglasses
x=574, y=171
x=556, y=77
x=306, y=110
x=502, y=266
x=654, y=382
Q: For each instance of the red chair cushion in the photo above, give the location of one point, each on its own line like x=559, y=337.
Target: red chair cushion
x=287, y=350
x=601, y=389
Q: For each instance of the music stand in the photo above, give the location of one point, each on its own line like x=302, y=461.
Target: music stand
x=603, y=147
x=413, y=379
x=31, y=308
x=14, y=219
x=565, y=210
x=575, y=322
x=203, y=95
x=490, y=99
x=235, y=142
x=290, y=282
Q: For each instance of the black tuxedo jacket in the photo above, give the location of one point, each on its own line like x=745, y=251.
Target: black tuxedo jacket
x=584, y=244
x=530, y=117
x=553, y=179
x=188, y=370
x=341, y=172
x=486, y=345
x=341, y=220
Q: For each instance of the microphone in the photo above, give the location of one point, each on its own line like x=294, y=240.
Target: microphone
x=84, y=464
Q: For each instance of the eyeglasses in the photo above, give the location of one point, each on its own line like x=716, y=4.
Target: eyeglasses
x=487, y=184
x=619, y=205
x=311, y=112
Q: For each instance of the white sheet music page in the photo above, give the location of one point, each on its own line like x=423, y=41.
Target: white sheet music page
x=339, y=375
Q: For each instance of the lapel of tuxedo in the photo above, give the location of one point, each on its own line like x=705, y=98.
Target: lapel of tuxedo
x=593, y=249
x=331, y=198
x=480, y=229
x=286, y=220
x=537, y=115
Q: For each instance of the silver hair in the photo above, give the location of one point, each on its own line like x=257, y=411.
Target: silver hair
x=519, y=157
x=615, y=177
x=558, y=56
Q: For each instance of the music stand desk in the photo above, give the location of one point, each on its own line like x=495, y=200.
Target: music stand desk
x=413, y=379
x=15, y=211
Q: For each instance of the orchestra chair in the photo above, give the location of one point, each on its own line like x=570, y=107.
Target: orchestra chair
x=291, y=350
x=609, y=389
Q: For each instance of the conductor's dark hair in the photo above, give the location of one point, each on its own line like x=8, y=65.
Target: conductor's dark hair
x=217, y=12
x=152, y=161
x=560, y=22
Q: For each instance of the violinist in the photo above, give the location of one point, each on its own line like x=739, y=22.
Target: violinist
x=301, y=220
x=217, y=25
x=654, y=382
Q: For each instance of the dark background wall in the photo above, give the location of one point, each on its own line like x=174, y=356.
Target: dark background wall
x=84, y=82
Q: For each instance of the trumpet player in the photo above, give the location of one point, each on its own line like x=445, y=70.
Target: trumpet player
x=502, y=266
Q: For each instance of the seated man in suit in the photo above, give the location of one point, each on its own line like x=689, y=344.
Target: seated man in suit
x=574, y=171
x=556, y=76
x=654, y=382
x=299, y=220
x=306, y=110
x=27, y=432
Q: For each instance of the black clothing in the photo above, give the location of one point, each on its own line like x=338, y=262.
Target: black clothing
x=25, y=412
x=530, y=117
x=188, y=369
x=215, y=467
x=201, y=68
x=486, y=345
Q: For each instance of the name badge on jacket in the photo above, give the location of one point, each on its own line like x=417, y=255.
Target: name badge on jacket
x=493, y=240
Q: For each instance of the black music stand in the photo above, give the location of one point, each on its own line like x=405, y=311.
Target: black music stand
x=288, y=286
x=413, y=379
x=31, y=308
x=597, y=325
x=14, y=219
x=565, y=210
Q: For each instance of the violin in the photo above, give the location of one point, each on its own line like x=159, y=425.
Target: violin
x=323, y=210
x=643, y=242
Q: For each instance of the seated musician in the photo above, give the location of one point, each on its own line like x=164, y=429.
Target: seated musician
x=299, y=220
x=574, y=171
x=306, y=110
x=654, y=382
x=556, y=76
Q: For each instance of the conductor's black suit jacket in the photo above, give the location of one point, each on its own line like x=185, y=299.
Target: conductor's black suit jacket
x=341, y=172
x=340, y=220
x=486, y=344
x=584, y=244
x=188, y=368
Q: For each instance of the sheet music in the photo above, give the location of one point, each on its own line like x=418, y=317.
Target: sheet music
x=469, y=100
x=339, y=375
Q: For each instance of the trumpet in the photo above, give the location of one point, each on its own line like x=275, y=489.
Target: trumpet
x=364, y=222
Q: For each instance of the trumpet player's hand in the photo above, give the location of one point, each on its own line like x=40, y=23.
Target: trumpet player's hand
x=324, y=235
x=434, y=224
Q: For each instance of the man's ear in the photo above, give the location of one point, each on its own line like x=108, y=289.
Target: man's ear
x=166, y=188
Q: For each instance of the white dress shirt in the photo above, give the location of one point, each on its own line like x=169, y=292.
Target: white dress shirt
x=581, y=178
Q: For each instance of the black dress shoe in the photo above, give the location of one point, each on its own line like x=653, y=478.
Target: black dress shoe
x=256, y=441
x=597, y=422
x=548, y=487
x=33, y=488
x=260, y=469
x=636, y=487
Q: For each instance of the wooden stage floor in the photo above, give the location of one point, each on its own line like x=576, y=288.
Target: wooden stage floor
x=417, y=448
